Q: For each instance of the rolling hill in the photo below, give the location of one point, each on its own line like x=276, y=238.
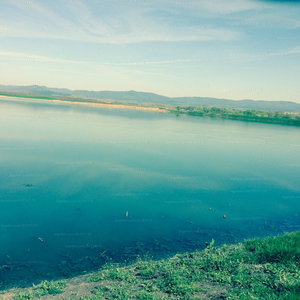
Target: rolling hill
x=142, y=97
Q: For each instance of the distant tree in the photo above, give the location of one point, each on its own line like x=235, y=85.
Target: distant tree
x=218, y=110
x=190, y=108
x=249, y=112
x=279, y=114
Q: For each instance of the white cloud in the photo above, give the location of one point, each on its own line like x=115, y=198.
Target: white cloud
x=123, y=25
x=24, y=56
x=139, y=21
x=294, y=50
x=15, y=56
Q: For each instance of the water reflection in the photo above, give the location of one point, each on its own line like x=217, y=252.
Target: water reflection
x=81, y=186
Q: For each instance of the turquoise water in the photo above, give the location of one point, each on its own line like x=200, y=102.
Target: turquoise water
x=71, y=173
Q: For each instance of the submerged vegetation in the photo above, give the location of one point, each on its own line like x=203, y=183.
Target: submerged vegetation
x=212, y=112
x=255, y=269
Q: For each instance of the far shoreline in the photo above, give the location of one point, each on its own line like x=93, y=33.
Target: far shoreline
x=118, y=106
x=246, y=115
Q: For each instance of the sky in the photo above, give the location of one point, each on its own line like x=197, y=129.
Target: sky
x=231, y=49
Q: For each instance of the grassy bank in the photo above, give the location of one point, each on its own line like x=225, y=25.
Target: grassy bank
x=255, y=269
x=242, y=115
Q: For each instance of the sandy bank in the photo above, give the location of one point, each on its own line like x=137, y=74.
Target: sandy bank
x=123, y=106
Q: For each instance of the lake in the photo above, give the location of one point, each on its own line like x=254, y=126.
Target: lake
x=83, y=185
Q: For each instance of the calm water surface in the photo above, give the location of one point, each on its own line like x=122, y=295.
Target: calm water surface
x=71, y=173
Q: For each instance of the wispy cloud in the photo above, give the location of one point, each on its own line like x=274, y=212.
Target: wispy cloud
x=210, y=8
x=16, y=56
x=23, y=56
x=248, y=56
x=121, y=26
x=292, y=51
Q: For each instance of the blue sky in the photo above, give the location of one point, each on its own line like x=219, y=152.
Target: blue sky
x=233, y=49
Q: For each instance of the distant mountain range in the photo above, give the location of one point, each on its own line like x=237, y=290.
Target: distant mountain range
x=141, y=97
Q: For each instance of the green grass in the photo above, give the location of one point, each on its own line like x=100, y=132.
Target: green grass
x=120, y=274
x=255, y=269
x=147, y=296
x=45, y=288
x=94, y=279
x=24, y=296
x=284, y=249
x=49, y=288
x=98, y=292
